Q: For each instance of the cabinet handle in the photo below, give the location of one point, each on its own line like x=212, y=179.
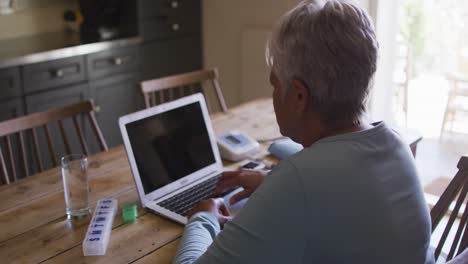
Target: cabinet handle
x=117, y=61
x=97, y=109
x=57, y=73
x=175, y=27
x=174, y=4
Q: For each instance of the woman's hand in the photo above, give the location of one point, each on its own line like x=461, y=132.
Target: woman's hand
x=249, y=180
x=216, y=207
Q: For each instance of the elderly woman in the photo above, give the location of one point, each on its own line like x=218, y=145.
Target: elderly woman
x=352, y=194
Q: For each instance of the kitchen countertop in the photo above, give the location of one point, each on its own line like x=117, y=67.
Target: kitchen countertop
x=52, y=46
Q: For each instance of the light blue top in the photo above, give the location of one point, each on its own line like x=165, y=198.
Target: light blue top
x=352, y=198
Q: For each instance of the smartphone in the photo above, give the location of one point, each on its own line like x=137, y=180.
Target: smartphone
x=252, y=165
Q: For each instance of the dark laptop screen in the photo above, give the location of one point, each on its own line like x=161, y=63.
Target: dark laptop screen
x=170, y=145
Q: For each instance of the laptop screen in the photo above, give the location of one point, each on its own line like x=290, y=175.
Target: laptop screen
x=170, y=145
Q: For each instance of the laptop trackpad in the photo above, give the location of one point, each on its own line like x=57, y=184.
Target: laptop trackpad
x=235, y=208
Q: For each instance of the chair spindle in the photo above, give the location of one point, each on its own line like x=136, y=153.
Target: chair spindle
x=11, y=158
x=50, y=146
x=64, y=138
x=37, y=153
x=79, y=132
x=23, y=154
x=97, y=131
x=6, y=178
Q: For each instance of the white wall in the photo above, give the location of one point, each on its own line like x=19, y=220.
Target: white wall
x=234, y=39
x=35, y=17
x=224, y=23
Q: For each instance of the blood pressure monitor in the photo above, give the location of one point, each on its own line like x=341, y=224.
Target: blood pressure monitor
x=236, y=146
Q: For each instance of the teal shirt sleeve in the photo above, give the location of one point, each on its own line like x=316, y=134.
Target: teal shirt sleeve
x=269, y=229
x=199, y=233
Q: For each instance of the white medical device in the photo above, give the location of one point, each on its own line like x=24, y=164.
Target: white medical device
x=236, y=145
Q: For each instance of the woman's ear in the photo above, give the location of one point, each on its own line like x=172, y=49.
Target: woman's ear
x=301, y=95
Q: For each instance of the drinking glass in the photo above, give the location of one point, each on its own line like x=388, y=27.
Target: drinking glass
x=75, y=185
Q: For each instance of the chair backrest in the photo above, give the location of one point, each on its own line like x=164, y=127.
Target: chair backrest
x=18, y=128
x=158, y=91
x=456, y=191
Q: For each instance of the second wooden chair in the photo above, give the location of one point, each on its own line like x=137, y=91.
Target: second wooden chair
x=158, y=91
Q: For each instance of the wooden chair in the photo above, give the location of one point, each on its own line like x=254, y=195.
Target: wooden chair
x=169, y=88
x=456, y=190
x=458, y=92
x=462, y=258
x=44, y=120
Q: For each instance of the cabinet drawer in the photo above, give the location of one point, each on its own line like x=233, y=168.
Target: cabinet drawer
x=42, y=76
x=10, y=83
x=150, y=9
x=112, y=61
x=169, y=28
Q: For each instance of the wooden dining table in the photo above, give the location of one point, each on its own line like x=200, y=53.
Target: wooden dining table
x=34, y=227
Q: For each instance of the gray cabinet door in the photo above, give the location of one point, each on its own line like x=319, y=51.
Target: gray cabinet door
x=11, y=109
x=163, y=58
x=10, y=85
x=114, y=97
x=53, y=99
x=56, y=98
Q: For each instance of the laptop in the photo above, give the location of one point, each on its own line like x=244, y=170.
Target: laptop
x=173, y=156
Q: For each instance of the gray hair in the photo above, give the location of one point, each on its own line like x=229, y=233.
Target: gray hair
x=331, y=47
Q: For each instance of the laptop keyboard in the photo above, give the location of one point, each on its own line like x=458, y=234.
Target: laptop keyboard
x=183, y=202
